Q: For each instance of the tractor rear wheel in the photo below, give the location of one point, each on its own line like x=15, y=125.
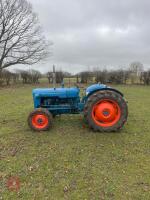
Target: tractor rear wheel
x=40, y=120
x=106, y=111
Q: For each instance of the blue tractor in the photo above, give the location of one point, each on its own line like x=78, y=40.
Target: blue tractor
x=104, y=108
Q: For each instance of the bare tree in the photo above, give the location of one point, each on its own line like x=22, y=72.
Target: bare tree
x=126, y=76
x=145, y=77
x=111, y=76
x=59, y=76
x=86, y=76
x=30, y=76
x=25, y=76
x=137, y=68
x=21, y=38
x=15, y=77
x=101, y=76
x=77, y=78
x=5, y=77
x=1, y=78
x=35, y=76
x=50, y=77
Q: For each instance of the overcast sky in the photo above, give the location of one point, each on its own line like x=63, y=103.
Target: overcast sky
x=95, y=33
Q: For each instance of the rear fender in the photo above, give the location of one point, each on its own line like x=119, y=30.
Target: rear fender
x=107, y=88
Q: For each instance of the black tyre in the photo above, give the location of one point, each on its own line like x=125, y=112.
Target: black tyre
x=40, y=120
x=106, y=111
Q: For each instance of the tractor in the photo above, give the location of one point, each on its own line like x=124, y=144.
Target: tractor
x=104, y=108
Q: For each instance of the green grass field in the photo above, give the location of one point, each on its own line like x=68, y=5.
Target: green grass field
x=71, y=162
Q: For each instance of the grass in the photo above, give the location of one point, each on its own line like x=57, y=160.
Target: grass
x=72, y=162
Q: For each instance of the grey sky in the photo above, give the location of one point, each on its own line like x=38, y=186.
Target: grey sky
x=95, y=33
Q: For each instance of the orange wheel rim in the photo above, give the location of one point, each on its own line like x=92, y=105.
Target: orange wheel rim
x=40, y=121
x=106, y=113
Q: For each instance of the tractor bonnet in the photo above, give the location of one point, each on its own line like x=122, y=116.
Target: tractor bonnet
x=56, y=92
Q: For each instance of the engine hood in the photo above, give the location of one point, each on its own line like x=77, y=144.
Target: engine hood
x=56, y=92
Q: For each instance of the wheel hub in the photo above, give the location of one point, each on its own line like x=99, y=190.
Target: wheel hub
x=106, y=113
x=40, y=120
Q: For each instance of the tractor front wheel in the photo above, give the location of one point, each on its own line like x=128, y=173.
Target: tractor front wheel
x=106, y=111
x=40, y=120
